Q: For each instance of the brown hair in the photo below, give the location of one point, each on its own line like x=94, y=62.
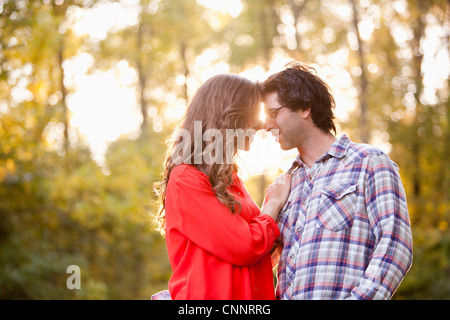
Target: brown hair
x=223, y=102
x=299, y=87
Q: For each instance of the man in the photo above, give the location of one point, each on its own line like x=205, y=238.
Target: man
x=345, y=231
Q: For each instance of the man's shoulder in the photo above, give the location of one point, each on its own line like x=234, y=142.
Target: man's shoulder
x=364, y=150
x=357, y=152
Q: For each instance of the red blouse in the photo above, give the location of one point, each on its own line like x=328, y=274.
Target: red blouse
x=216, y=254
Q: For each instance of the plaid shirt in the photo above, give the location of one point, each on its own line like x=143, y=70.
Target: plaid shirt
x=162, y=295
x=345, y=231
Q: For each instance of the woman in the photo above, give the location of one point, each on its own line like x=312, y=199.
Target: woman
x=218, y=240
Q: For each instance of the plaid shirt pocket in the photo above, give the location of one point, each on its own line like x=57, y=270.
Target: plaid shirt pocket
x=336, y=207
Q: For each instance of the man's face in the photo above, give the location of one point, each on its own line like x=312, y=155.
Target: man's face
x=290, y=124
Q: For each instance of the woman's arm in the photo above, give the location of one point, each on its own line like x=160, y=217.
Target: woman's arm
x=193, y=209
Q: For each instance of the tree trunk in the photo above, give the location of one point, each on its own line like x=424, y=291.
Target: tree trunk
x=418, y=31
x=363, y=95
x=296, y=10
x=266, y=46
x=141, y=78
x=183, y=54
x=62, y=88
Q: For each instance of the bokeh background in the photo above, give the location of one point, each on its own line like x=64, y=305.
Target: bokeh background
x=91, y=90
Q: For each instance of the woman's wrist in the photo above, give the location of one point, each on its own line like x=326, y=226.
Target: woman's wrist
x=271, y=208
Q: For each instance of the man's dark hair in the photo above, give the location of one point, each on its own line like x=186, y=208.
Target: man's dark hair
x=299, y=87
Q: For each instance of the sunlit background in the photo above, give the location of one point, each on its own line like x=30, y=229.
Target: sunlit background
x=110, y=95
x=115, y=77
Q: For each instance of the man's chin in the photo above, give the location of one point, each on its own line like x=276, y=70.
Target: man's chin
x=284, y=146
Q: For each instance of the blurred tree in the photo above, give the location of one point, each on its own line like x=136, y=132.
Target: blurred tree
x=37, y=42
x=419, y=131
x=31, y=92
x=363, y=93
x=160, y=47
x=58, y=208
x=250, y=37
x=134, y=166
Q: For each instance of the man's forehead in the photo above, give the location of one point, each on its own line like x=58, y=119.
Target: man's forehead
x=271, y=99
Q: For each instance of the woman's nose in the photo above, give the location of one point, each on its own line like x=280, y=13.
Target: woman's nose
x=268, y=125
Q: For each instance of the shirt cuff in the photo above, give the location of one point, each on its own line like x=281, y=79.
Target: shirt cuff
x=272, y=225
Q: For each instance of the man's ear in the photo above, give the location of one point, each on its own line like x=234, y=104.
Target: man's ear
x=306, y=113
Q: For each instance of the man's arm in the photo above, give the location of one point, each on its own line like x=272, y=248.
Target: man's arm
x=389, y=220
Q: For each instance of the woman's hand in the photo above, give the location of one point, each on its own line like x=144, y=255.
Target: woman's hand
x=276, y=195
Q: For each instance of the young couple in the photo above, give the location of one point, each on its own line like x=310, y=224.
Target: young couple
x=338, y=220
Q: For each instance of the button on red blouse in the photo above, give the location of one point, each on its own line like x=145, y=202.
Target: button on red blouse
x=215, y=254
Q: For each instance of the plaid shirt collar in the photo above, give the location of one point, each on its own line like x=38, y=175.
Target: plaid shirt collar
x=337, y=150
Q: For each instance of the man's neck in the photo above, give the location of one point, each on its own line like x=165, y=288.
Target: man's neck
x=315, y=146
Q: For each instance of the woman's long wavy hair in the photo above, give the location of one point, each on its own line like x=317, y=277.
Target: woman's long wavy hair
x=223, y=102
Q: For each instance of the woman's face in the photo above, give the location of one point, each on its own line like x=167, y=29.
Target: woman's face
x=254, y=124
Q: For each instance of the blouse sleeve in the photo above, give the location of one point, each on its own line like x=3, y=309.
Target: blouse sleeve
x=193, y=210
